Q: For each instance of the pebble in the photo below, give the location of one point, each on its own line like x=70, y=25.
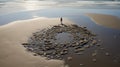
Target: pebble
x=80, y=49
x=99, y=40
x=98, y=45
x=80, y=53
x=25, y=44
x=45, y=40
x=69, y=58
x=91, y=45
x=35, y=54
x=94, y=54
x=87, y=46
x=44, y=53
x=48, y=58
x=94, y=42
x=81, y=64
x=81, y=41
x=30, y=49
x=77, y=44
x=94, y=60
x=107, y=54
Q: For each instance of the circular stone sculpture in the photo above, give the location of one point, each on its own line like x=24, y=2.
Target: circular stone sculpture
x=60, y=40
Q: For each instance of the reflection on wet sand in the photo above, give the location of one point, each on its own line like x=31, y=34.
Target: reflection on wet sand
x=13, y=54
x=105, y=20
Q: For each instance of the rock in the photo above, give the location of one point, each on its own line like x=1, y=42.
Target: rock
x=80, y=49
x=86, y=46
x=84, y=42
x=84, y=27
x=69, y=58
x=99, y=40
x=81, y=41
x=49, y=52
x=80, y=53
x=30, y=49
x=65, y=52
x=75, y=26
x=54, y=53
x=52, y=57
x=40, y=52
x=107, y=54
x=94, y=54
x=45, y=40
x=77, y=44
x=48, y=58
x=56, y=43
x=91, y=45
x=65, y=49
x=94, y=42
x=98, y=45
x=73, y=45
x=58, y=56
x=94, y=60
x=25, y=44
x=35, y=54
x=81, y=64
x=62, y=53
x=44, y=53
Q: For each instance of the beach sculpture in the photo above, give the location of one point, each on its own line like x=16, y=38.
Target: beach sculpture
x=45, y=43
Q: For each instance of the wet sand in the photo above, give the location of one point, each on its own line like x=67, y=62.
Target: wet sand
x=13, y=54
x=105, y=20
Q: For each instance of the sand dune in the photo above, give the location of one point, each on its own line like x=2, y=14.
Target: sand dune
x=13, y=54
x=105, y=20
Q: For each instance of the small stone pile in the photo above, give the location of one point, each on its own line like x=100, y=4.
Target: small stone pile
x=44, y=43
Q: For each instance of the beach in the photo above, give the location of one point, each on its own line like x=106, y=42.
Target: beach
x=13, y=54
x=93, y=39
x=105, y=20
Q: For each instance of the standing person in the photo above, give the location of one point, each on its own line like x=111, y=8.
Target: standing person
x=61, y=20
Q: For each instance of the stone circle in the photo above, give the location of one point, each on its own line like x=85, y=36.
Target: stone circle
x=49, y=43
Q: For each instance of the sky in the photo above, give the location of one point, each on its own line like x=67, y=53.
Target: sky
x=60, y=0
x=8, y=6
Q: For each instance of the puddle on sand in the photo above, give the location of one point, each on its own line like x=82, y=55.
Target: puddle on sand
x=64, y=37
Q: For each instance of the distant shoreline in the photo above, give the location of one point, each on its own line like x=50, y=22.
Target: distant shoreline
x=105, y=20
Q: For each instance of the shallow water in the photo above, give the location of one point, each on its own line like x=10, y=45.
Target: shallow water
x=110, y=38
x=64, y=37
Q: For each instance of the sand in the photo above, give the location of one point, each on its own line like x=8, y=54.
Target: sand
x=12, y=35
x=105, y=20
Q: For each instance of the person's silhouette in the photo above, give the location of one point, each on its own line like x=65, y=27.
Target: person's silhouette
x=61, y=20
